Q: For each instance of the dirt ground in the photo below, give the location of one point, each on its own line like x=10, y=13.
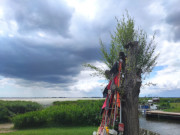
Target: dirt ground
x=8, y=127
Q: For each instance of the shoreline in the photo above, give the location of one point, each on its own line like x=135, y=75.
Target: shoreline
x=47, y=101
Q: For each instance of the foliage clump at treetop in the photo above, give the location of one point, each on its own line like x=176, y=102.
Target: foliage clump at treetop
x=8, y=109
x=67, y=113
x=124, y=34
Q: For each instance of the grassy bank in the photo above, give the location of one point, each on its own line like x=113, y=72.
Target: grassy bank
x=55, y=131
x=174, y=107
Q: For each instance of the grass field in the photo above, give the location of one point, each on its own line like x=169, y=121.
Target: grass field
x=55, y=131
x=174, y=107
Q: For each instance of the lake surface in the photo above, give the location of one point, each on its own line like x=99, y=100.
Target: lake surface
x=163, y=127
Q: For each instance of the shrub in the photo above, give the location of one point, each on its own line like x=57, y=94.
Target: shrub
x=30, y=119
x=164, y=105
x=8, y=109
x=4, y=114
x=62, y=113
x=21, y=106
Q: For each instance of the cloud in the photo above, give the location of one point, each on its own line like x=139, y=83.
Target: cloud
x=42, y=62
x=44, y=43
x=42, y=15
x=173, y=19
x=166, y=79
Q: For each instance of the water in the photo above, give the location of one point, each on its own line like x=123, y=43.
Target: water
x=163, y=127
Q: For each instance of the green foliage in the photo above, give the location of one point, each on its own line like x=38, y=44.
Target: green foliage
x=164, y=105
x=125, y=33
x=146, y=60
x=10, y=108
x=99, y=72
x=86, y=112
x=30, y=119
x=4, y=114
x=170, y=100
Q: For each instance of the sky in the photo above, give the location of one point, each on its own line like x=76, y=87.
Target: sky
x=43, y=44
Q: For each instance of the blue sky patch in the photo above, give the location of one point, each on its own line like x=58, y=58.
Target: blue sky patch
x=154, y=72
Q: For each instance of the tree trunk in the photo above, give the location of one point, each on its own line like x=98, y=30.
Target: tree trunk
x=131, y=86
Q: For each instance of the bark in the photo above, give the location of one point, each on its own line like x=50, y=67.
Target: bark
x=131, y=86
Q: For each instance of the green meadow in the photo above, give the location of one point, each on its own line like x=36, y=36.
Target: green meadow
x=55, y=131
x=174, y=107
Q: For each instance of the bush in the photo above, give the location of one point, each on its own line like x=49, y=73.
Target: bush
x=21, y=106
x=170, y=100
x=164, y=105
x=30, y=119
x=86, y=112
x=4, y=114
x=10, y=108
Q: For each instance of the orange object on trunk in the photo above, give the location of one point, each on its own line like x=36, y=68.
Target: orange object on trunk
x=118, y=99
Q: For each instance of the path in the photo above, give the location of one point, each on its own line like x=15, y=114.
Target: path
x=4, y=128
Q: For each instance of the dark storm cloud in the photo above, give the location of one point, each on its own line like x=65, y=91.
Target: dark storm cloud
x=174, y=19
x=47, y=63
x=56, y=61
x=40, y=15
x=44, y=61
